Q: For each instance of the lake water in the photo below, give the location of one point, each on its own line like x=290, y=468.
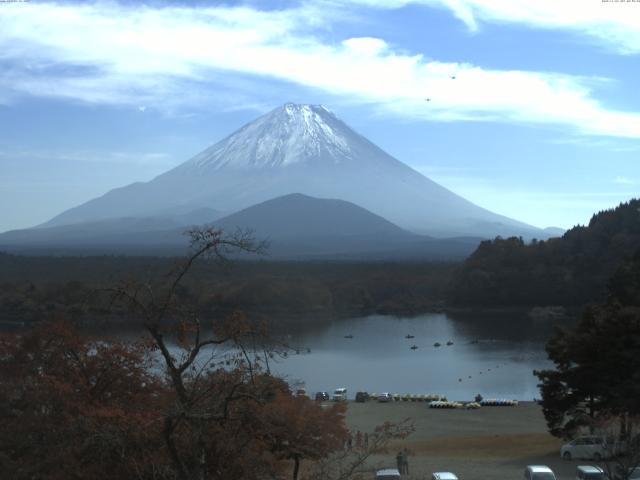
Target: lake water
x=493, y=355
x=495, y=361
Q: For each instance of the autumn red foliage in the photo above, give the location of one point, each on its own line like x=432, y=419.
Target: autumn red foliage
x=73, y=407
x=170, y=407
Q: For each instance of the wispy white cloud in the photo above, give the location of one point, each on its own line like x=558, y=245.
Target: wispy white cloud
x=624, y=181
x=138, y=55
x=90, y=156
x=614, y=24
x=608, y=144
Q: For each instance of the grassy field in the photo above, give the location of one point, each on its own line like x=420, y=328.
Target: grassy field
x=484, y=444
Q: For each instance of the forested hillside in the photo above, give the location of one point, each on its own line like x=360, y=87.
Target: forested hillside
x=570, y=270
x=36, y=288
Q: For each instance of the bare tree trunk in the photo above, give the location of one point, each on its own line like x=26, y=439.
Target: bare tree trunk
x=591, y=414
x=296, y=466
x=173, y=451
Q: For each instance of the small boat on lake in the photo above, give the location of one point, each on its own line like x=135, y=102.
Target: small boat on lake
x=437, y=344
x=414, y=347
x=408, y=335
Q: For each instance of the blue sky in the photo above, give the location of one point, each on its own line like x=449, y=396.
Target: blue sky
x=542, y=122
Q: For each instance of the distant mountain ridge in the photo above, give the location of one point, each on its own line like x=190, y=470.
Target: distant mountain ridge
x=105, y=230
x=296, y=226
x=298, y=215
x=306, y=149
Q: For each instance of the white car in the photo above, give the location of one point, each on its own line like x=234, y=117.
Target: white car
x=385, y=397
x=388, y=474
x=589, y=447
x=443, y=476
x=339, y=395
x=538, y=472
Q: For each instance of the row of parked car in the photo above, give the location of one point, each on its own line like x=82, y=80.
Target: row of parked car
x=340, y=394
x=531, y=472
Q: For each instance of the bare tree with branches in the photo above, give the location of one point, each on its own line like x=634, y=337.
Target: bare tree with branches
x=204, y=394
x=621, y=445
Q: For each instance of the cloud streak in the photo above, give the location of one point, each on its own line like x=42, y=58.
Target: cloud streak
x=138, y=55
x=613, y=24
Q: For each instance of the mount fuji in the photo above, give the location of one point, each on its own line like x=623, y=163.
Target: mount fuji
x=298, y=149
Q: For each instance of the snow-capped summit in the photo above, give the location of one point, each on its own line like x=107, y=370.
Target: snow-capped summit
x=288, y=135
x=304, y=149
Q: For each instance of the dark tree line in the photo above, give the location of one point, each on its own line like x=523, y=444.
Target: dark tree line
x=571, y=270
x=33, y=288
x=595, y=385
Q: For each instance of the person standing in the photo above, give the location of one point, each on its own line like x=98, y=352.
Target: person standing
x=405, y=463
x=399, y=462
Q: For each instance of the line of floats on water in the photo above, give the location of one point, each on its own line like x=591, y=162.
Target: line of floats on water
x=415, y=347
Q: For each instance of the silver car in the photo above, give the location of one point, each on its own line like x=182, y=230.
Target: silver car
x=385, y=397
x=388, y=474
x=538, y=472
x=444, y=476
x=589, y=472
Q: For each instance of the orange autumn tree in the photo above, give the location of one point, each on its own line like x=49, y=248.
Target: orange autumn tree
x=75, y=407
x=72, y=407
x=302, y=429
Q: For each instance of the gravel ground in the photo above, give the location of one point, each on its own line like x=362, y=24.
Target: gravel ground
x=484, y=444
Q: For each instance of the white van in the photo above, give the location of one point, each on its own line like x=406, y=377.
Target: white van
x=339, y=395
x=591, y=447
x=538, y=472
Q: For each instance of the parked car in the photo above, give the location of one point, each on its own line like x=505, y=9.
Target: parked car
x=340, y=395
x=589, y=447
x=301, y=392
x=362, y=397
x=388, y=474
x=589, y=472
x=322, y=397
x=443, y=476
x=385, y=397
x=538, y=472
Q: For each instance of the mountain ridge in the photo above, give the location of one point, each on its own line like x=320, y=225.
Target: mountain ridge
x=307, y=149
x=296, y=226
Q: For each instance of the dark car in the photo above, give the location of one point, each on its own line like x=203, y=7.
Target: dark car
x=322, y=397
x=362, y=397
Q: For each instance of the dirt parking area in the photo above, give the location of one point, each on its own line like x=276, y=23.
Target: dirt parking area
x=484, y=444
